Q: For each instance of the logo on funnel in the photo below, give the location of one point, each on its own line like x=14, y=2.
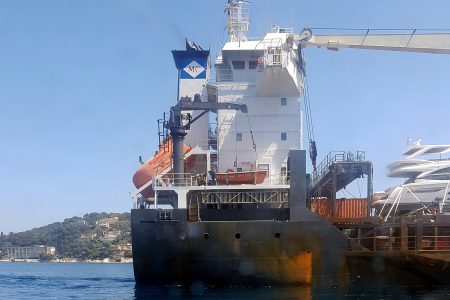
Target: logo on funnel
x=194, y=69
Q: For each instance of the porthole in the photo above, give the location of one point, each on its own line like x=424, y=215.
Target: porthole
x=237, y=235
x=277, y=235
x=206, y=236
x=182, y=236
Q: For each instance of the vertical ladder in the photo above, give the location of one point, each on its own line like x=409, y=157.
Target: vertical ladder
x=194, y=209
x=163, y=133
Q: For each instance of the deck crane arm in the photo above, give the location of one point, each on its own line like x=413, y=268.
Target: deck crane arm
x=180, y=121
x=436, y=43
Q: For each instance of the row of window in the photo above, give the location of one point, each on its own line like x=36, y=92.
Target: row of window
x=283, y=136
x=240, y=64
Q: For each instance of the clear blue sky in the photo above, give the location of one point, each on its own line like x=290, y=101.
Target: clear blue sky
x=83, y=82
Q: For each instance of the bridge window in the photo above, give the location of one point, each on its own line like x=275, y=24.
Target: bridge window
x=252, y=64
x=283, y=136
x=238, y=64
x=283, y=101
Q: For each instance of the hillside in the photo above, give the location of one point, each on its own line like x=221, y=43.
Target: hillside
x=94, y=236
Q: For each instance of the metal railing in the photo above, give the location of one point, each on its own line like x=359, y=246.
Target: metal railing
x=187, y=179
x=394, y=243
x=223, y=75
x=279, y=29
x=336, y=156
x=172, y=179
x=277, y=179
x=244, y=196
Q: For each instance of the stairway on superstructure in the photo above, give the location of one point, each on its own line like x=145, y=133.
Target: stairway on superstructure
x=336, y=171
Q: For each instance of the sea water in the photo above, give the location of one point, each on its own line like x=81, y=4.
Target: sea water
x=65, y=281
x=115, y=281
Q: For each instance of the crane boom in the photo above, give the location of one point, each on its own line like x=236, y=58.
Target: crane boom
x=436, y=43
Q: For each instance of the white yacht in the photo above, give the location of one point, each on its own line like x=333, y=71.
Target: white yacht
x=427, y=183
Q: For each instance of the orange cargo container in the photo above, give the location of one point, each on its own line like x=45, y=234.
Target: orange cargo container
x=345, y=207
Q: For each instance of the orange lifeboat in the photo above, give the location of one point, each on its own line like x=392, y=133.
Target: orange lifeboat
x=156, y=165
x=246, y=177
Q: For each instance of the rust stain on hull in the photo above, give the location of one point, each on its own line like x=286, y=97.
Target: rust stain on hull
x=299, y=268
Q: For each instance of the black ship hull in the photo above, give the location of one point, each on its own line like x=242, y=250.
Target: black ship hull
x=243, y=253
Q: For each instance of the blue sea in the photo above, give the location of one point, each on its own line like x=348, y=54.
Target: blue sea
x=115, y=281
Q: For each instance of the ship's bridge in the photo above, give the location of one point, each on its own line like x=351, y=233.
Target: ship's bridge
x=272, y=63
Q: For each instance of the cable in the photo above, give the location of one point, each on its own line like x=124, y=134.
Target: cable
x=345, y=189
x=359, y=189
x=378, y=29
x=309, y=121
x=270, y=15
x=251, y=134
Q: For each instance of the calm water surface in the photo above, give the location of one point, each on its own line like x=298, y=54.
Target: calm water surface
x=115, y=281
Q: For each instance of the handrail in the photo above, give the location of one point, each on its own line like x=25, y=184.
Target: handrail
x=168, y=179
x=394, y=243
x=336, y=156
x=187, y=179
x=222, y=75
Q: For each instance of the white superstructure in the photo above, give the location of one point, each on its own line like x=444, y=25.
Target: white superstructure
x=264, y=74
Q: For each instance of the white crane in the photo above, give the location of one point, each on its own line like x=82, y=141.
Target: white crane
x=437, y=43
x=430, y=42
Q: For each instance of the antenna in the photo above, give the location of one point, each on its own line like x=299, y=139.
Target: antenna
x=237, y=21
x=270, y=14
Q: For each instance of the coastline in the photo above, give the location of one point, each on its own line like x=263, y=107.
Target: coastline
x=32, y=260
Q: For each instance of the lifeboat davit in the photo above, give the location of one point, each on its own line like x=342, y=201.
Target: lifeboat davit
x=246, y=177
x=160, y=163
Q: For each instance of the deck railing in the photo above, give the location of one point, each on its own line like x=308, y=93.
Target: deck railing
x=394, y=243
x=401, y=237
x=336, y=156
x=187, y=179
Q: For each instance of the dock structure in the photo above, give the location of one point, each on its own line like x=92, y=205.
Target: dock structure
x=379, y=252
x=415, y=247
x=407, y=234
x=334, y=173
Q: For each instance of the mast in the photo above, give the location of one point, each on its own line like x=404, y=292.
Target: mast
x=237, y=20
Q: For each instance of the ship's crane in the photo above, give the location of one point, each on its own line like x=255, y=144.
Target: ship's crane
x=436, y=43
x=180, y=121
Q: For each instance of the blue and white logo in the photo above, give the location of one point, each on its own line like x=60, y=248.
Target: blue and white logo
x=193, y=70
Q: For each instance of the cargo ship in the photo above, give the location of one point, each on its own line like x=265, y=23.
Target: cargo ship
x=227, y=200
